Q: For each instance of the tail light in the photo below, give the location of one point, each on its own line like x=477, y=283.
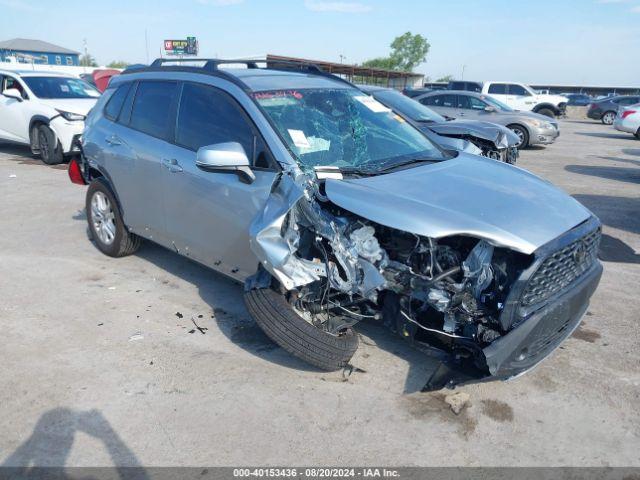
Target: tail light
x=626, y=113
x=75, y=173
x=590, y=106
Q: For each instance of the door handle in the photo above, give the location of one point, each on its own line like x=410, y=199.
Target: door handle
x=172, y=165
x=113, y=140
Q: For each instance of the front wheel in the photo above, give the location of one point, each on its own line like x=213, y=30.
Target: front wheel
x=48, y=146
x=105, y=222
x=608, y=118
x=287, y=327
x=523, y=135
x=547, y=112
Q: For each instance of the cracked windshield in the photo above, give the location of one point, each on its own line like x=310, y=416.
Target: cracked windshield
x=344, y=128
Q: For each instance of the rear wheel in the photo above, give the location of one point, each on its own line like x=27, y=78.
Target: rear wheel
x=48, y=146
x=638, y=134
x=523, y=135
x=105, y=222
x=289, y=328
x=608, y=118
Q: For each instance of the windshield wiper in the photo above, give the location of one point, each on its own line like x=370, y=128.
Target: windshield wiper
x=413, y=161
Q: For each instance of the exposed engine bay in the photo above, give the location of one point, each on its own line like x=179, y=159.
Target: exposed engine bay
x=337, y=269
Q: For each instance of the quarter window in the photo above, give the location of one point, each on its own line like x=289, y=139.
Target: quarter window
x=498, y=89
x=112, y=110
x=151, y=111
x=208, y=116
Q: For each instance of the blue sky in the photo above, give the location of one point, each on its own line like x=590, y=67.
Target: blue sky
x=571, y=41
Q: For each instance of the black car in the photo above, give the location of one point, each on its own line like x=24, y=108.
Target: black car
x=578, y=99
x=606, y=109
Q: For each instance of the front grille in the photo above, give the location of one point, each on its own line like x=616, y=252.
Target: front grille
x=561, y=268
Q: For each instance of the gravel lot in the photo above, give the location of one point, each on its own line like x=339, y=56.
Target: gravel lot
x=102, y=363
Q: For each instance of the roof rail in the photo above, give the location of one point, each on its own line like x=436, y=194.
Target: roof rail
x=211, y=65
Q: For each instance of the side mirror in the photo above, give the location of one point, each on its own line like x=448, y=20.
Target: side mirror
x=13, y=93
x=489, y=108
x=225, y=157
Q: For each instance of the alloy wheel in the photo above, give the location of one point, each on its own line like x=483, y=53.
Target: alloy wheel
x=103, y=218
x=608, y=118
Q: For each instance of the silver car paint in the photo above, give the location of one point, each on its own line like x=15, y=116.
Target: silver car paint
x=505, y=205
x=468, y=195
x=501, y=118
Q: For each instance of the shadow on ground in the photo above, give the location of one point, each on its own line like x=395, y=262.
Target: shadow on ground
x=51, y=441
x=225, y=297
x=620, y=174
x=616, y=136
x=616, y=212
x=24, y=156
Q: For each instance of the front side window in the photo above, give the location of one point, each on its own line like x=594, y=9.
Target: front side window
x=343, y=128
x=60, y=87
x=207, y=116
x=498, y=89
x=151, y=111
x=518, y=90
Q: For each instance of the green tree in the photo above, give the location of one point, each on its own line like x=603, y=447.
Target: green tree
x=87, y=60
x=446, y=78
x=118, y=64
x=407, y=52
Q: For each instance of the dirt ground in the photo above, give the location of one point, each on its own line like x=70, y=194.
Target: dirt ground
x=102, y=362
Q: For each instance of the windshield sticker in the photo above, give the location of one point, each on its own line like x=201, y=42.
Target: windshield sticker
x=277, y=93
x=372, y=104
x=299, y=138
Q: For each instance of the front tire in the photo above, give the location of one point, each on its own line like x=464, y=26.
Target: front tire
x=105, y=222
x=48, y=146
x=608, y=118
x=278, y=319
x=522, y=134
x=547, y=112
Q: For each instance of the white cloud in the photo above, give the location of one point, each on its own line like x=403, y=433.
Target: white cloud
x=342, y=7
x=220, y=3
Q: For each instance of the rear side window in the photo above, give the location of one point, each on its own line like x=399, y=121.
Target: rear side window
x=498, y=88
x=152, y=105
x=207, y=116
x=112, y=110
x=440, y=101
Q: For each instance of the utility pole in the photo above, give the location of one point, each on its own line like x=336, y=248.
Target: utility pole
x=463, y=67
x=342, y=57
x=86, y=52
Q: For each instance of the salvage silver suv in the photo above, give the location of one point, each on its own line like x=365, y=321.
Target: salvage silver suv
x=333, y=209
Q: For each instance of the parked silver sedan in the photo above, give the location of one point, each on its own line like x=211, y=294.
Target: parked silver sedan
x=531, y=128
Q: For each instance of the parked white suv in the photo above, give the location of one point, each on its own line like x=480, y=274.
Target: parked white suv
x=45, y=110
x=518, y=96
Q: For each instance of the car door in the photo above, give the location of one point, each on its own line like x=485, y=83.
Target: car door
x=14, y=114
x=208, y=214
x=470, y=107
x=443, y=103
x=519, y=97
x=134, y=146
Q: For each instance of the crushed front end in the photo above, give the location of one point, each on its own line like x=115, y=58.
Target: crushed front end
x=492, y=312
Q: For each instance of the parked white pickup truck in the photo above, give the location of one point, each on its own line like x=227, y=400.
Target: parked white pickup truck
x=518, y=96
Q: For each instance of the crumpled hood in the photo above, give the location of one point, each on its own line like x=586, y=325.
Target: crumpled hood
x=81, y=106
x=485, y=130
x=468, y=195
